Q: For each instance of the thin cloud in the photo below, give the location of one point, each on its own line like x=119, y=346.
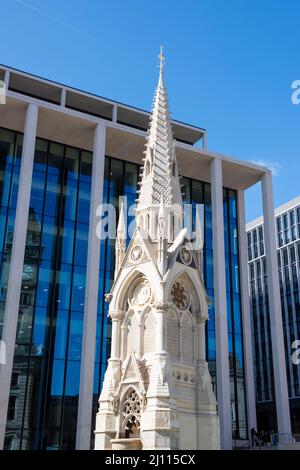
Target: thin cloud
x=49, y=16
x=275, y=167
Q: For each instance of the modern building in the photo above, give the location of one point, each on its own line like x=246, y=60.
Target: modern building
x=62, y=153
x=287, y=223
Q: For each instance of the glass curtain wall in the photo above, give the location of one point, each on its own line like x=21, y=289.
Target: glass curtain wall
x=10, y=161
x=45, y=381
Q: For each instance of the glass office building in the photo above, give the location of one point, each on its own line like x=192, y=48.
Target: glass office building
x=84, y=150
x=45, y=379
x=287, y=223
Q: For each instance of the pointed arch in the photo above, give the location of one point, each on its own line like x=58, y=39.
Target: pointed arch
x=136, y=274
x=195, y=287
x=130, y=405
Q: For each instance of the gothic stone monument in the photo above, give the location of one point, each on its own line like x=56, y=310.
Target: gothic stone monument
x=157, y=389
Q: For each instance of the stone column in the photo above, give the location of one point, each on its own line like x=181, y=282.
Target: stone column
x=159, y=315
x=123, y=338
x=140, y=339
x=84, y=419
x=201, y=320
x=220, y=307
x=115, y=336
x=246, y=320
x=278, y=351
x=16, y=263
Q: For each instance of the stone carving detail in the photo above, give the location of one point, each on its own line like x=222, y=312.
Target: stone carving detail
x=186, y=340
x=149, y=334
x=108, y=297
x=163, y=306
x=141, y=294
x=131, y=412
x=185, y=255
x=132, y=335
x=180, y=296
x=136, y=253
x=184, y=375
x=171, y=333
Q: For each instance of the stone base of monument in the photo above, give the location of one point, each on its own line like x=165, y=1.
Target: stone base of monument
x=126, y=444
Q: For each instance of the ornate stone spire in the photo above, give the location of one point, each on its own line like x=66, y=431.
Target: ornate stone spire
x=160, y=172
x=157, y=374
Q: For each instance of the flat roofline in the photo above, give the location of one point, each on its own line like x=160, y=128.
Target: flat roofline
x=277, y=211
x=75, y=128
x=108, y=100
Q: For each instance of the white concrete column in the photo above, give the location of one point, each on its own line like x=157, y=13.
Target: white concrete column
x=6, y=79
x=278, y=352
x=63, y=96
x=84, y=418
x=246, y=318
x=220, y=307
x=16, y=263
x=114, y=113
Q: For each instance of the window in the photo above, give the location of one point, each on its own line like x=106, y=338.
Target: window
x=14, y=379
x=292, y=254
x=293, y=225
x=258, y=269
x=279, y=260
x=261, y=241
x=251, y=271
x=279, y=226
x=254, y=236
x=255, y=246
x=264, y=266
x=11, y=408
x=285, y=257
x=249, y=238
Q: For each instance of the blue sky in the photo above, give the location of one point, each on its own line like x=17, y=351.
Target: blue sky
x=229, y=66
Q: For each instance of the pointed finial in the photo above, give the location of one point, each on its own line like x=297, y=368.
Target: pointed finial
x=161, y=59
x=121, y=229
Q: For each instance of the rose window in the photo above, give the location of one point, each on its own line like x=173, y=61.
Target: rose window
x=180, y=296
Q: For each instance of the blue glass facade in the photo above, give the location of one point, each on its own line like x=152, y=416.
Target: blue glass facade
x=10, y=158
x=45, y=381
x=288, y=256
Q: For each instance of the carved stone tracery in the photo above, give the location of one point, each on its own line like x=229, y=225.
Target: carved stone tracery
x=180, y=296
x=131, y=412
